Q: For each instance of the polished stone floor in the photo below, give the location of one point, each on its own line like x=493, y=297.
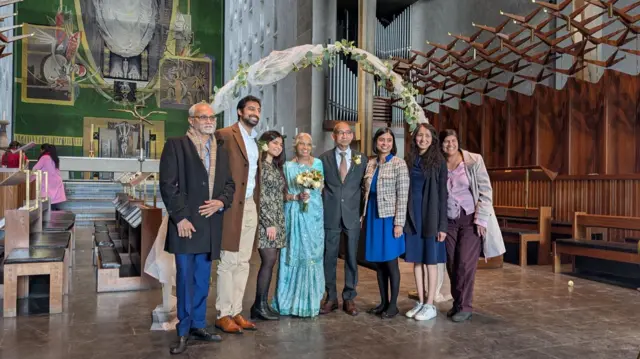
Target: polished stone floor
x=521, y=313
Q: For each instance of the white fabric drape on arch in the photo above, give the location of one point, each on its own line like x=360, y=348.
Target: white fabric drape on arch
x=278, y=64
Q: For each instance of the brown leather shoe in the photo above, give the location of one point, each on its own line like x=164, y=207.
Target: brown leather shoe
x=349, y=306
x=243, y=323
x=228, y=325
x=328, y=306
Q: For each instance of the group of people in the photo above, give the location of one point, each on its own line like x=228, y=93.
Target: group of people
x=228, y=192
x=48, y=162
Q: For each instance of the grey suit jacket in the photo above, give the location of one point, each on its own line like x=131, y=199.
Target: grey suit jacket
x=342, y=201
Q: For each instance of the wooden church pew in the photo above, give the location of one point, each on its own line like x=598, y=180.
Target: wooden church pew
x=521, y=226
x=29, y=251
x=582, y=245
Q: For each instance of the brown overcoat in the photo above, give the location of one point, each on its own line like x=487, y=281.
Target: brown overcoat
x=239, y=165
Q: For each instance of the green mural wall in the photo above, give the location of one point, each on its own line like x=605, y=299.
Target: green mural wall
x=46, y=119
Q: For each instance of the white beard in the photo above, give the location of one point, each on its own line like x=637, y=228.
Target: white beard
x=207, y=130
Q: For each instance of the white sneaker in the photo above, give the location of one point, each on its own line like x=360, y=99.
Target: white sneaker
x=415, y=310
x=428, y=312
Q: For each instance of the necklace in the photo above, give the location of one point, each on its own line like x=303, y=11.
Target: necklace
x=304, y=164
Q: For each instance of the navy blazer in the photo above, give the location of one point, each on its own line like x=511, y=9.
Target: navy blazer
x=434, y=204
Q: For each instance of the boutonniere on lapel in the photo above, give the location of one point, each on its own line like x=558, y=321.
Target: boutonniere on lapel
x=263, y=146
x=357, y=159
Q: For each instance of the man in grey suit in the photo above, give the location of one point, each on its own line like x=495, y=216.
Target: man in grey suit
x=344, y=170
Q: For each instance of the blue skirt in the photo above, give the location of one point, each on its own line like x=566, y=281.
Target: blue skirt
x=425, y=250
x=380, y=245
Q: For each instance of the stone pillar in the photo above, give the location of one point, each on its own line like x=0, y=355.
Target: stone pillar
x=324, y=31
x=366, y=41
x=274, y=25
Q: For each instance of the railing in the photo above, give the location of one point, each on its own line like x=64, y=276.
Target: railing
x=109, y=168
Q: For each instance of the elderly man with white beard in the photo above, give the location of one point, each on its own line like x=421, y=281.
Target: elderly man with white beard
x=196, y=187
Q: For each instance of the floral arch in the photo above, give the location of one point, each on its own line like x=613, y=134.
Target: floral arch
x=279, y=64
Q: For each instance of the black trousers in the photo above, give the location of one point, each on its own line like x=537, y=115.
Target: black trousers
x=331, y=250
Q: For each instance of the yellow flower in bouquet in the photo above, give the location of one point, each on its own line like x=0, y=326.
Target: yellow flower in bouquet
x=310, y=179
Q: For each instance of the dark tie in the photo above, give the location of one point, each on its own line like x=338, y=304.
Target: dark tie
x=343, y=166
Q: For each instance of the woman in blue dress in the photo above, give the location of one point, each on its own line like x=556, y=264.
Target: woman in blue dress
x=426, y=227
x=301, y=272
x=387, y=187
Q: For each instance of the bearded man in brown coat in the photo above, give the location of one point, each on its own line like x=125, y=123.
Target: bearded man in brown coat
x=241, y=220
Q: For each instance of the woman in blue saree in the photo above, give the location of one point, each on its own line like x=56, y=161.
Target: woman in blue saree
x=301, y=272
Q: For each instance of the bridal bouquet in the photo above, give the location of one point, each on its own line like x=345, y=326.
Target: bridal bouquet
x=309, y=180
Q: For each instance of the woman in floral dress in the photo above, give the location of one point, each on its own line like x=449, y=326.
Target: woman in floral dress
x=271, y=227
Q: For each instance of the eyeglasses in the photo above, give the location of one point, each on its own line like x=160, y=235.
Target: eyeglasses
x=204, y=118
x=343, y=133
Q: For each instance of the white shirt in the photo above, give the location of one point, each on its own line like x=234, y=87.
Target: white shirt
x=347, y=158
x=252, y=154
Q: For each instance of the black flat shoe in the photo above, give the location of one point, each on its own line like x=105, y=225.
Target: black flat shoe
x=388, y=314
x=377, y=310
x=204, y=335
x=179, y=346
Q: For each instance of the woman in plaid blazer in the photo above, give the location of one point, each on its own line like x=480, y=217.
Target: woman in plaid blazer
x=386, y=182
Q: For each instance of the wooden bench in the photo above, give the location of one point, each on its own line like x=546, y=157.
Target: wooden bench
x=100, y=239
x=23, y=262
x=60, y=221
x=30, y=251
x=515, y=224
x=120, y=250
x=582, y=245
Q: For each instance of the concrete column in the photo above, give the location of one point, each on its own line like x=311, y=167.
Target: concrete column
x=304, y=32
x=324, y=29
x=366, y=41
x=274, y=24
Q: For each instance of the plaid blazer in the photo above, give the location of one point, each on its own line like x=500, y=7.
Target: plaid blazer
x=392, y=188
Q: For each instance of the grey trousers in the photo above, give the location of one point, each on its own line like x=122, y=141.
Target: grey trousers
x=331, y=250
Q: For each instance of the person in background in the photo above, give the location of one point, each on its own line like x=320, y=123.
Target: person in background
x=50, y=163
x=427, y=217
x=471, y=222
x=12, y=160
x=386, y=184
x=271, y=225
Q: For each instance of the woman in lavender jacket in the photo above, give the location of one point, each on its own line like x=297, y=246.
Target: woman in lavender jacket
x=472, y=224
